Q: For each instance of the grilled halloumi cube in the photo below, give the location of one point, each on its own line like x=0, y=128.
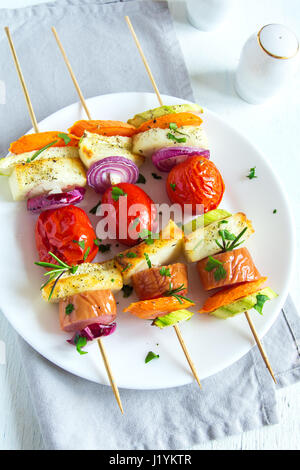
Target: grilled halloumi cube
x=164, y=250
x=89, y=276
x=8, y=163
x=95, y=147
x=46, y=175
x=201, y=243
x=146, y=143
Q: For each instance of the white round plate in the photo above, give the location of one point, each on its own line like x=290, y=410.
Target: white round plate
x=213, y=344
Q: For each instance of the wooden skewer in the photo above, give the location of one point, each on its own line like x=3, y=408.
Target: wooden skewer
x=260, y=346
x=100, y=343
x=71, y=72
x=176, y=327
x=144, y=59
x=21, y=77
x=188, y=357
x=110, y=376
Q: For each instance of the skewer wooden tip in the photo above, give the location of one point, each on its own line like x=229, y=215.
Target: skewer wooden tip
x=260, y=346
x=187, y=355
x=110, y=375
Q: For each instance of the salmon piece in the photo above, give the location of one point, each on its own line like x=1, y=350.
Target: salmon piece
x=231, y=294
x=150, y=283
x=87, y=308
x=238, y=265
x=151, y=309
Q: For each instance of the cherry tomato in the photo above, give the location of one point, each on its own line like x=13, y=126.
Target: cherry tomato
x=66, y=232
x=196, y=181
x=131, y=222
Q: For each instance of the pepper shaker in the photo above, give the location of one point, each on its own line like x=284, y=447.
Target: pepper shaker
x=268, y=62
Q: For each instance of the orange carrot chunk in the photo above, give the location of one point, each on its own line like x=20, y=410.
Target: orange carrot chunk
x=107, y=128
x=31, y=142
x=163, y=122
x=151, y=309
x=231, y=294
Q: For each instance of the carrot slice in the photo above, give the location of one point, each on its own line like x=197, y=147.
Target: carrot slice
x=150, y=309
x=31, y=142
x=231, y=294
x=108, y=128
x=163, y=122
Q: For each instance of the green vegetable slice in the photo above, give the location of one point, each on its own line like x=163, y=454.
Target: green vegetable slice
x=172, y=318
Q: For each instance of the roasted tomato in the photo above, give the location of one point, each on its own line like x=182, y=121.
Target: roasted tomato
x=196, y=181
x=134, y=215
x=66, y=232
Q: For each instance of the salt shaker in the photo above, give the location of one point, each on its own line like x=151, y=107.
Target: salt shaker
x=268, y=61
x=207, y=15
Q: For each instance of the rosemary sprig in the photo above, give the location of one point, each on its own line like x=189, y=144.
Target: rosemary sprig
x=174, y=293
x=56, y=272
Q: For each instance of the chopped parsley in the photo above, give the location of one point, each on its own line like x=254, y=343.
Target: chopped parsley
x=116, y=193
x=69, y=309
x=141, y=179
x=252, y=173
x=147, y=236
x=260, y=301
x=217, y=266
x=104, y=248
x=81, y=243
x=179, y=140
x=229, y=240
x=131, y=254
x=173, y=186
x=127, y=290
x=65, y=137
x=151, y=355
x=94, y=209
x=126, y=267
x=165, y=272
x=80, y=342
x=274, y=211
x=156, y=177
x=148, y=260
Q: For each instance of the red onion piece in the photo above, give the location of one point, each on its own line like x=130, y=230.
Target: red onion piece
x=54, y=201
x=93, y=331
x=165, y=158
x=111, y=170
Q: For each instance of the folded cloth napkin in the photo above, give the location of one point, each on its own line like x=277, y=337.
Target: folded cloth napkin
x=74, y=413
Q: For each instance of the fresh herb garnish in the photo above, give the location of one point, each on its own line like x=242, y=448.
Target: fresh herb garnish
x=151, y=355
x=214, y=264
x=174, y=293
x=69, y=309
x=80, y=342
x=81, y=243
x=97, y=241
x=65, y=137
x=126, y=267
x=36, y=154
x=86, y=254
x=274, y=211
x=94, y=209
x=173, y=186
x=147, y=236
x=165, y=272
x=260, y=301
x=135, y=223
x=222, y=222
x=131, y=254
x=141, y=179
x=173, y=126
x=179, y=140
x=104, y=248
x=252, y=173
x=56, y=272
x=156, y=177
x=127, y=290
x=228, y=237
x=148, y=260
x=116, y=193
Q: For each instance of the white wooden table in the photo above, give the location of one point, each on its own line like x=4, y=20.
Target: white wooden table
x=211, y=60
